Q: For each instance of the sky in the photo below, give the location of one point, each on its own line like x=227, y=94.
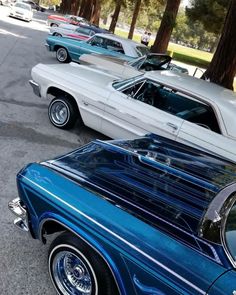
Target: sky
x=185, y=2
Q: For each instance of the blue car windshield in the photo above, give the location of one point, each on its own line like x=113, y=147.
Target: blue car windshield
x=230, y=232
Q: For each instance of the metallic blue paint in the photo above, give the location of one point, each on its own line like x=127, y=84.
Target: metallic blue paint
x=139, y=204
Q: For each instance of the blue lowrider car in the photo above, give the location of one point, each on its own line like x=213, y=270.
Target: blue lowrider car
x=70, y=49
x=143, y=217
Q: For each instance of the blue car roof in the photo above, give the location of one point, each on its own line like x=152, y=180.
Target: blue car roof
x=152, y=177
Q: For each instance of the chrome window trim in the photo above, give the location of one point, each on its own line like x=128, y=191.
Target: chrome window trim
x=227, y=208
x=214, y=220
x=129, y=83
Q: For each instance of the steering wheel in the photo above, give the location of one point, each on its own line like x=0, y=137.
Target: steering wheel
x=146, y=98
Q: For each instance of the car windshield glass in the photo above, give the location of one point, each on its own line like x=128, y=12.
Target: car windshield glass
x=155, y=61
x=21, y=5
x=118, y=84
x=142, y=50
x=136, y=63
x=230, y=232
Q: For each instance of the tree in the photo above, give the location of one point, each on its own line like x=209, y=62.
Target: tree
x=96, y=12
x=65, y=6
x=90, y=9
x=211, y=13
x=86, y=9
x=137, y=5
x=222, y=68
x=70, y=6
x=75, y=7
x=115, y=16
x=167, y=24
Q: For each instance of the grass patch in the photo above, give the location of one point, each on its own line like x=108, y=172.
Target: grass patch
x=180, y=53
x=191, y=60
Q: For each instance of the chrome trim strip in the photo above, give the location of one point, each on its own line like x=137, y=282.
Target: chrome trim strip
x=107, y=105
x=227, y=208
x=213, y=218
x=15, y=207
x=166, y=268
x=21, y=222
x=47, y=46
x=36, y=87
x=213, y=223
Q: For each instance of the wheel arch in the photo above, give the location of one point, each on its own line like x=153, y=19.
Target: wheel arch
x=55, y=91
x=51, y=226
x=56, y=47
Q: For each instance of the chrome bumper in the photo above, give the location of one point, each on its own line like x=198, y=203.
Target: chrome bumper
x=47, y=46
x=22, y=217
x=36, y=87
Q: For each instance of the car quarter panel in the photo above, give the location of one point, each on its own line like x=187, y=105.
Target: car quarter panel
x=198, y=136
x=152, y=260
x=74, y=80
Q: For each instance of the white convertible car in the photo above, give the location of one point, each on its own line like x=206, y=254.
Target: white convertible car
x=173, y=105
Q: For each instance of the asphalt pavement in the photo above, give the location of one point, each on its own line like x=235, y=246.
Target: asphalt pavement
x=25, y=136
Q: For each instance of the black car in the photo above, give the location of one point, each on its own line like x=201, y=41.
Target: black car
x=35, y=5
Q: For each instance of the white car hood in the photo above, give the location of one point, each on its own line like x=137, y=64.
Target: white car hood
x=74, y=72
x=21, y=10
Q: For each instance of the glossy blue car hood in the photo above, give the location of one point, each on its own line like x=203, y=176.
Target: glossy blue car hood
x=151, y=177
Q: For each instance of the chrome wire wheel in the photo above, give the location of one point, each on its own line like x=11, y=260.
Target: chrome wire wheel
x=59, y=113
x=76, y=269
x=62, y=54
x=72, y=272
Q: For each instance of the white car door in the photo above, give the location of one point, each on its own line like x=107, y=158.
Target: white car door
x=199, y=135
x=128, y=114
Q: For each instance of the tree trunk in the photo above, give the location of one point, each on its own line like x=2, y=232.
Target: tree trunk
x=134, y=18
x=115, y=16
x=75, y=7
x=222, y=68
x=82, y=5
x=65, y=6
x=167, y=24
x=96, y=12
x=86, y=9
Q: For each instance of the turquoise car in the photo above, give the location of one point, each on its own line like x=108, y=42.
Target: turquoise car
x=70, y=50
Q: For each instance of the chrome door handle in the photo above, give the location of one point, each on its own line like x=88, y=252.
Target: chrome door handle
x=173, y=126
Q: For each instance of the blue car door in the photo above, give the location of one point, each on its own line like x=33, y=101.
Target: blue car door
x=225, y=285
